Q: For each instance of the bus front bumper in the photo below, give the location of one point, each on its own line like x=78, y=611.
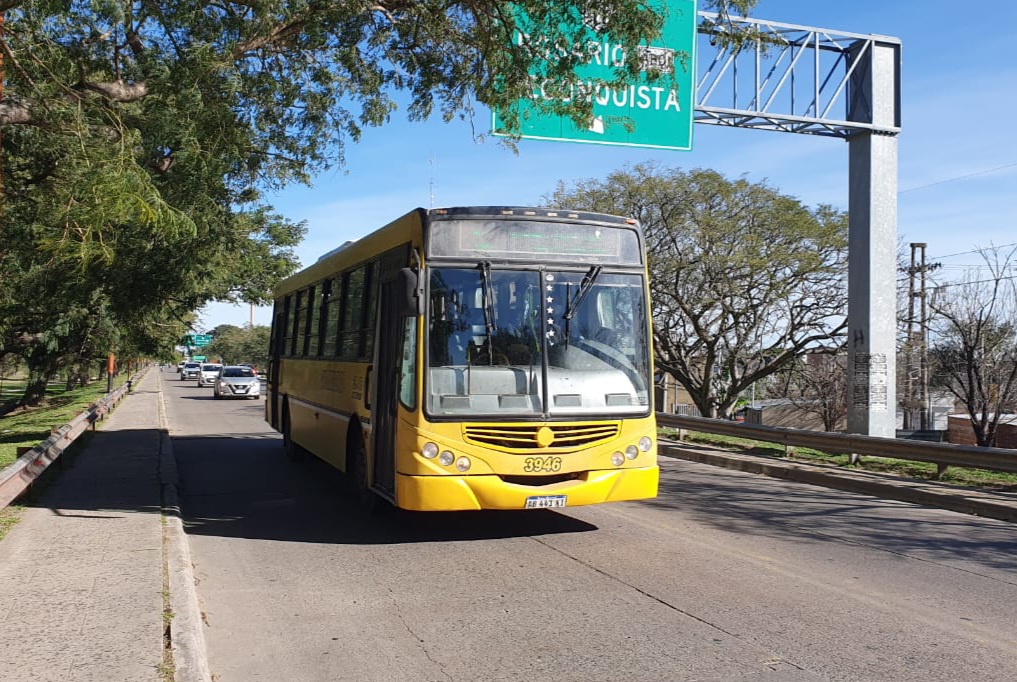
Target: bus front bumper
x=460, y=493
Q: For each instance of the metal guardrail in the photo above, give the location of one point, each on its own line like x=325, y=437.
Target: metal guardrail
x=941, y=454
x=18, y=477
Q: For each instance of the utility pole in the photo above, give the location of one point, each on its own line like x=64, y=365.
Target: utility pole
x=910, y=364
x=918, y=394
x=925, y=418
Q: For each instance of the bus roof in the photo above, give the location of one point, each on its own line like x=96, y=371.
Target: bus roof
x=399, y=232
x=529, y=211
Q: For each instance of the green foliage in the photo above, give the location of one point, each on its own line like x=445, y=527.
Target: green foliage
x=240, y=344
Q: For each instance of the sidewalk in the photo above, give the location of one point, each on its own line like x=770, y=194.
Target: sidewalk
x=81, y=574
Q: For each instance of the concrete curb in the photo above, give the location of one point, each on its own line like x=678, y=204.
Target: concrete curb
x=187, y=637
x=987, y=504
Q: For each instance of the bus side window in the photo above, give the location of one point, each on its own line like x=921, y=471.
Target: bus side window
x=296, y=335
x=311, y=329
x=353, y=310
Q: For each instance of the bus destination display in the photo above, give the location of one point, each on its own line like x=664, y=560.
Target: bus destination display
x=527, y=240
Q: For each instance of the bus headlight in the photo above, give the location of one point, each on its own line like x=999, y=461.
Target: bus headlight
x=617, y=459
x=645, y=443
x=631, y=452
x=446, y=458
x=463, y=464
x=429, y=451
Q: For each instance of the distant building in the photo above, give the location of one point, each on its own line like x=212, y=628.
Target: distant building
x=670, y=396
x=787, y=413
x=941, y=404
x=961, y=433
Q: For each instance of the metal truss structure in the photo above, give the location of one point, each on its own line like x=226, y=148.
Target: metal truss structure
x=793, y=79
x=845, y=86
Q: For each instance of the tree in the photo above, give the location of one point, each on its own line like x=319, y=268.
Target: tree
x=137, y=137
x=743, y=279
x=240, y=344
x=974, y=347
x=307, y=77
x=818, y=385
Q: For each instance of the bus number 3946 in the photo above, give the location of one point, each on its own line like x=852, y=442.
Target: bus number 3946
x=542, y=464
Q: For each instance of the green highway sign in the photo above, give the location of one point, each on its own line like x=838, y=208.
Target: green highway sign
x=197, y=340
x=655, y=114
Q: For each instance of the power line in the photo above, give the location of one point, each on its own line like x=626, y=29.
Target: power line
x=977, y=266
x=981, y=281
x=959, y=177
x=964, y=253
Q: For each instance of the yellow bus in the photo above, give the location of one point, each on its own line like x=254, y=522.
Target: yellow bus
x=473, y=358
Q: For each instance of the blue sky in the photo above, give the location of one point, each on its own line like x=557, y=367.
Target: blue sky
x=957, y=159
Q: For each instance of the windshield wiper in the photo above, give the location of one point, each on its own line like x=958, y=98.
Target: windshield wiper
x=589, y=279
x=489, y=313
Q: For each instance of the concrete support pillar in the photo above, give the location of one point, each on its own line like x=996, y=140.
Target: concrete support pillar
x=872, y=262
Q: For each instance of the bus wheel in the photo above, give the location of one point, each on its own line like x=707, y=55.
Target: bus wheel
x=293, y=451
x=365, y=497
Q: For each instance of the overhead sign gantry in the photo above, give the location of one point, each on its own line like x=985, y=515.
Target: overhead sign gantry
x=815, y=81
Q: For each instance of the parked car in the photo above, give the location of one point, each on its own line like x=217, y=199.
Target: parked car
x=190, y=370
x=209, y=373
x=235, y=381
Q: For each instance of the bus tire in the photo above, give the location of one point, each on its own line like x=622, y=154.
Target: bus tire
x=356, y=455
x=293, y=451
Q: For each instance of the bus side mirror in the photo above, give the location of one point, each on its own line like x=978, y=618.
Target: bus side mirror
x=412, y=293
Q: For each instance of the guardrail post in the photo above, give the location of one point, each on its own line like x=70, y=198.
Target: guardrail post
x=941, y=469
x=789, y=451
x=682, y=434
x=854, y=458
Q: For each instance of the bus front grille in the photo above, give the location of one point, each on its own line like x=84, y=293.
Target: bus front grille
x=526, y=437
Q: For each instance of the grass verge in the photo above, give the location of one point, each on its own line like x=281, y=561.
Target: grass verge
x=28, y=428
x=973, y=478
x=8, y=517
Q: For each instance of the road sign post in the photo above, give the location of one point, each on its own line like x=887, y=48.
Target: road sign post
x=654, y=113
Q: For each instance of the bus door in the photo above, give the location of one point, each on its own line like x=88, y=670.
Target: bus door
x=385, y=389
x=275, y=359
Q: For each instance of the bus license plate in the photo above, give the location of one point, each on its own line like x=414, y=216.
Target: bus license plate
x=545, y=501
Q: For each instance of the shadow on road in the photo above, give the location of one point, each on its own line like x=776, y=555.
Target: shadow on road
x=245, y=487
x=751, y=504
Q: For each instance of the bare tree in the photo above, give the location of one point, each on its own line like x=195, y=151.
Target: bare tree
x=974, y=349
x=818, y=385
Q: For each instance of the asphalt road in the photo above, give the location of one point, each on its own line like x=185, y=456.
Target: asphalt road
x=725, y=576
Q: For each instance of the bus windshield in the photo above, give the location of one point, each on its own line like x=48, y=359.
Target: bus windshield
x=536, y=341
